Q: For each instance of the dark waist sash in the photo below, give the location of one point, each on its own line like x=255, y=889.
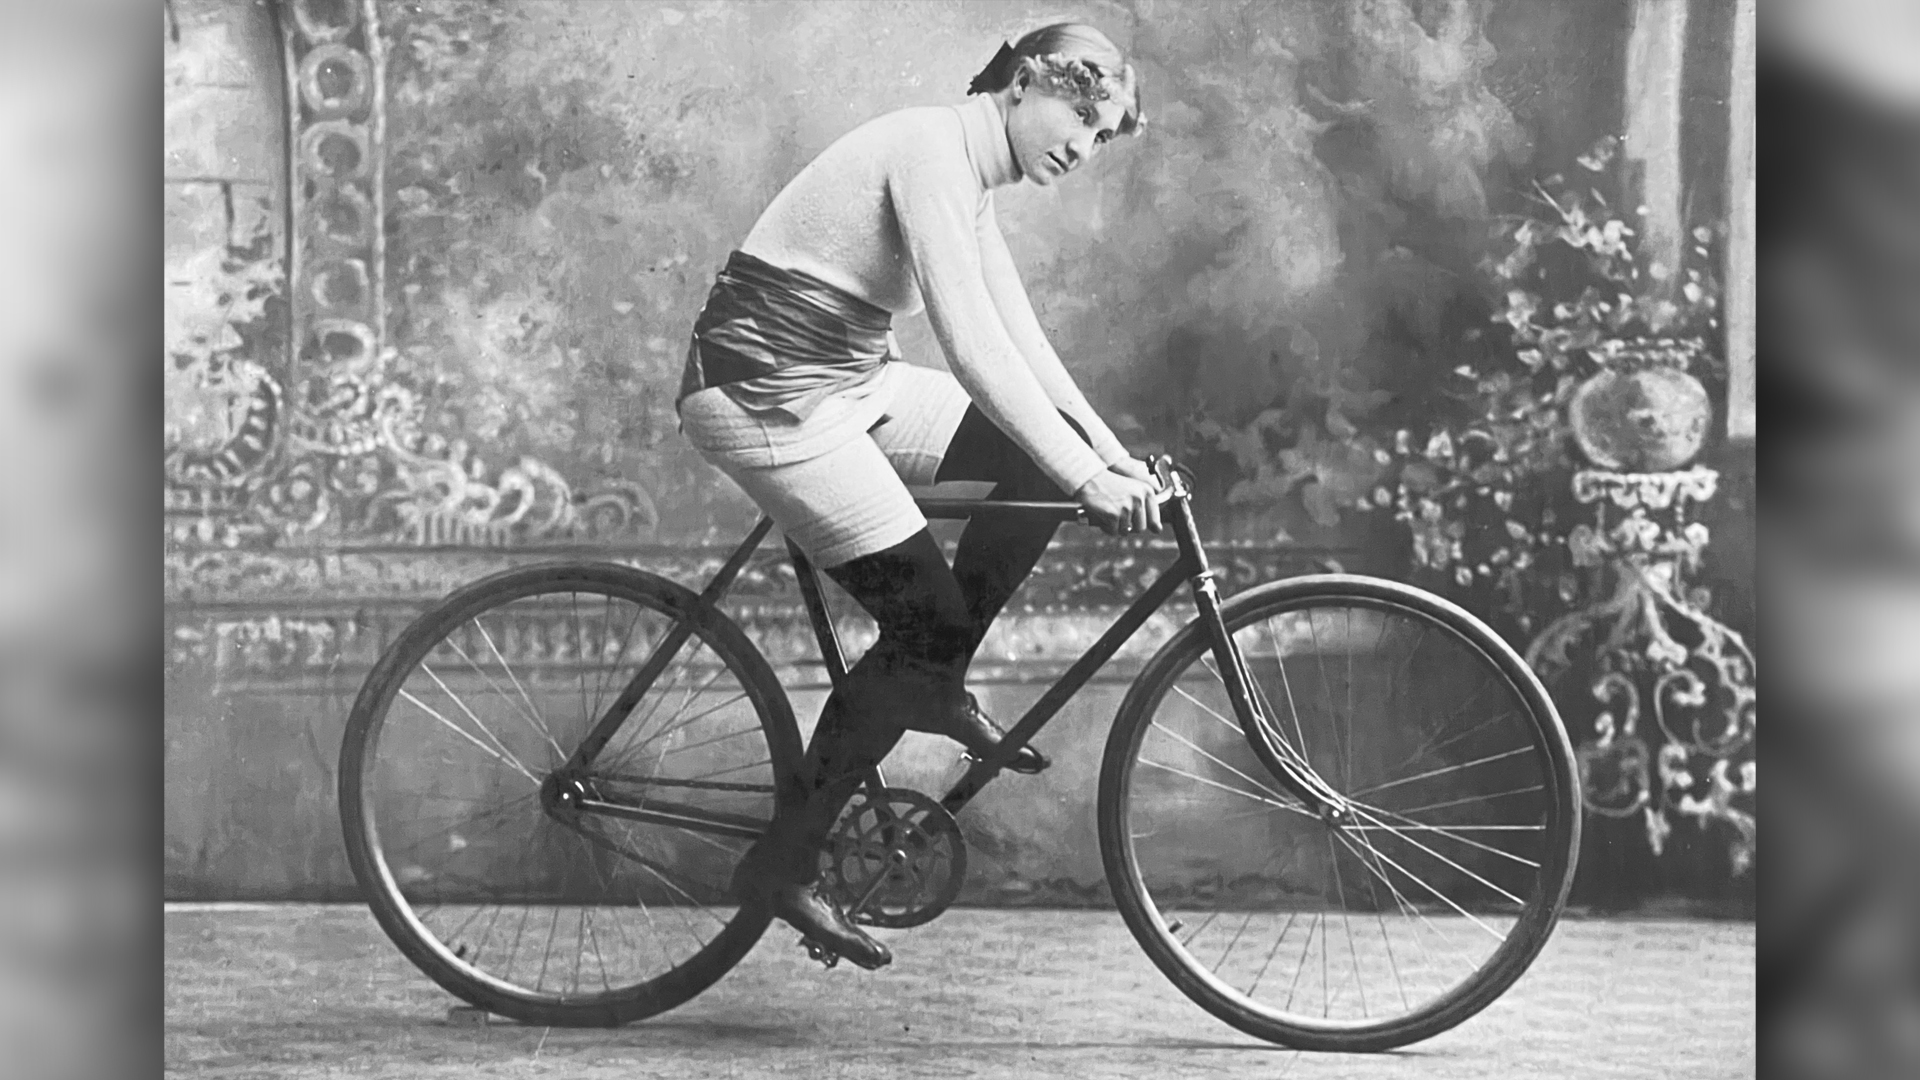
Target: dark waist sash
x=782, y=339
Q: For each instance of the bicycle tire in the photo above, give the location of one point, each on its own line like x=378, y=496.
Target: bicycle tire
x=1554, y=803
x=523, y=602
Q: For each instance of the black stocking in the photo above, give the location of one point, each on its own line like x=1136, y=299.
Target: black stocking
x=931, y=619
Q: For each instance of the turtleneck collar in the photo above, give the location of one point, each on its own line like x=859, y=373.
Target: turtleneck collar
x=985, y=130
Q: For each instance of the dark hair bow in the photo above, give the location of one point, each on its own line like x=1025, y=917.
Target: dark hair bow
x=998, y=72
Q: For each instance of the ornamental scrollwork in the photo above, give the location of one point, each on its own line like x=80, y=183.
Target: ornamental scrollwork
x=289, y=420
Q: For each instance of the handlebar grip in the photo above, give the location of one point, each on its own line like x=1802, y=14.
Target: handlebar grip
x=1162, y=466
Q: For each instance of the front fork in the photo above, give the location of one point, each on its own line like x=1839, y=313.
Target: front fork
x=1286, y=764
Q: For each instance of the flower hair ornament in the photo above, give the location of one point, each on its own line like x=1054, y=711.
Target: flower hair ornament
x=1061, y=74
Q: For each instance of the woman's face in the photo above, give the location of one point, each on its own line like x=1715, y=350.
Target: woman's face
x=1053, y=136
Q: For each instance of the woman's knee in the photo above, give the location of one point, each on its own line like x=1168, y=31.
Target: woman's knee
x=913, y=597
x=980, y=451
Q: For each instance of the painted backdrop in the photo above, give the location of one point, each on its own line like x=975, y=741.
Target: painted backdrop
x=431, y=267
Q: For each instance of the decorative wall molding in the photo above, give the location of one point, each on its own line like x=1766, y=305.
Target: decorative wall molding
x=319, y=619
x=292, y=425
x=1087, y=575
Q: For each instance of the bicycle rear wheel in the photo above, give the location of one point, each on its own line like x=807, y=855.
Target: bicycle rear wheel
x=1357, y=935
x=464, y=826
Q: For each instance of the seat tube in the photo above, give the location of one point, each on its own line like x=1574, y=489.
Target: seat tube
x=831, y=654
x=816, y=604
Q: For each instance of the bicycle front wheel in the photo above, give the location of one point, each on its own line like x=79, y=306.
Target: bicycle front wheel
x=475, y=841
x=1358, y=934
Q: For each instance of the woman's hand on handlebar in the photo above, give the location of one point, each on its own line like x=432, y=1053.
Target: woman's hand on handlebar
x=1119, y=502
x=1135, y=469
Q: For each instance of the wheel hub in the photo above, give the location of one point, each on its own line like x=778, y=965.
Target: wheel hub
x=561, y=795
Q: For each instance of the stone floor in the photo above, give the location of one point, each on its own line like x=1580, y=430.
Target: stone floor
x=305, y=991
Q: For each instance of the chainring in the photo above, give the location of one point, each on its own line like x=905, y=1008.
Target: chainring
x=894, y=859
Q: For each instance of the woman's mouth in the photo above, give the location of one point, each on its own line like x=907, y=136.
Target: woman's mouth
x=1055, y=162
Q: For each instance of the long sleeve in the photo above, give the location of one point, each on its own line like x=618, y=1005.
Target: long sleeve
x=935, y=201
x=1016, y=312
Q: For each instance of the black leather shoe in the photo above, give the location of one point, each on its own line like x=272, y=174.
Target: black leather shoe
x=818, y=918
x=975, y=730
x=822, y=923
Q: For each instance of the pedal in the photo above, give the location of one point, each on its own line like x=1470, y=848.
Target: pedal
x=817, y=951
x=967, y=760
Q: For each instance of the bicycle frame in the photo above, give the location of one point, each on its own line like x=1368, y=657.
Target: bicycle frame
x=1189, y=566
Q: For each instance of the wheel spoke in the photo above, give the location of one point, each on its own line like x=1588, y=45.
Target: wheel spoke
x=703, y=743
x=1203, y=752
x=538, y=725
x=463, y=733
x=507, y=755
x=1271, y=953
x=733, y=769
x=1348, y=638
x=688, y=722
x=546, y=954
x=1346, y=920
x=1428, y=897
x=1274, y=803
x=685, y=661
x=1286, y=685
x=1342, y=748
x=1442, y=896
x=1386, y=939
x=1443, y=771
x=479, y=862
x=1433, y=746
x=1294, y=755
x=606, y=983
x=1471, y=799
x=601, y=662
x=1452, y=832
x=1407, y=908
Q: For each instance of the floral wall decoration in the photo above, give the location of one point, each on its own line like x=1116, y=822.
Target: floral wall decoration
x=1556, y=486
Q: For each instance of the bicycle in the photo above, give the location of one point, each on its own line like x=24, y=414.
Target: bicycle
x=1319, y=758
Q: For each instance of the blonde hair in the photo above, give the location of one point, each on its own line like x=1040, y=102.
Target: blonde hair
x=1068, y=60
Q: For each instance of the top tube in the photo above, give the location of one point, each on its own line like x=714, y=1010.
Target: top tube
x=1172, y=486
x=966, y=508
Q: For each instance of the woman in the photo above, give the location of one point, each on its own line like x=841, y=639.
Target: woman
x=793, y=389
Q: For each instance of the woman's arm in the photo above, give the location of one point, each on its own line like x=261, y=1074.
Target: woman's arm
x=933, y=196
x=1016, y=312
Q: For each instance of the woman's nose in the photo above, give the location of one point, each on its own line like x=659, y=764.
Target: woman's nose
x=1079, y=148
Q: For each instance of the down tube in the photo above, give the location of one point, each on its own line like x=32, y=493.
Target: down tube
x=1071, y=681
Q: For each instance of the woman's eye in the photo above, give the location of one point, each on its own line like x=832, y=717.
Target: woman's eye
x=1103, y=137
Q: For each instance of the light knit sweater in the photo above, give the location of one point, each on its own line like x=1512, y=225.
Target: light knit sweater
x=899, y=212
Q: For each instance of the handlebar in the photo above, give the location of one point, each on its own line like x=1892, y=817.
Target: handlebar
x=1175, y=482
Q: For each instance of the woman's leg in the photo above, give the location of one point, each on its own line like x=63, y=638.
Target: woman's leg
x=912, y=677
x=931, y=617
x=916, y=664
x=995, y=554
x=850, y=512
